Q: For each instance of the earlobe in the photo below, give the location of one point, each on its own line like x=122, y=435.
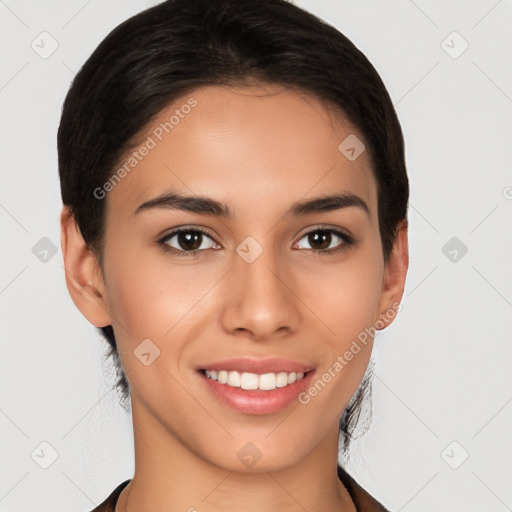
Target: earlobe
x=82, y=273
x=393, y=282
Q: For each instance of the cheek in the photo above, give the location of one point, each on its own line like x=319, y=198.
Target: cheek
x=345, y=297
x=148, y=294
x=345, y=301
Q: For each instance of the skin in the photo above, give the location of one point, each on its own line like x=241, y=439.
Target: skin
x=259, y=150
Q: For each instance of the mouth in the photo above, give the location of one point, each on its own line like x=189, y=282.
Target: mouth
x=255, y=393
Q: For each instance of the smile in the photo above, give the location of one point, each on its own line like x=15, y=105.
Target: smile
x=253, y=393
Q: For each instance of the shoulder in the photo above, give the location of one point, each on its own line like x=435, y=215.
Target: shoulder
x=363, y=501
x=109, y=504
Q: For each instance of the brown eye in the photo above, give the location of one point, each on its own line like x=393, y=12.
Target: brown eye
x=188, y=240
x=325, y=240
x=320, y=240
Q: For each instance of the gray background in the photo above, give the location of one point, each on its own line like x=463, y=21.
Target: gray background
x=442, y=388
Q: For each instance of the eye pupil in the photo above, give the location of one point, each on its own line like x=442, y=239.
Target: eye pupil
x=189, y=240
x=320, y=237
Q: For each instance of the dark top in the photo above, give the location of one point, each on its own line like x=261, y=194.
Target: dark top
x=363, y=501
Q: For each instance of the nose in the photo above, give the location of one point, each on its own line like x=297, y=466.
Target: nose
x=260, y=299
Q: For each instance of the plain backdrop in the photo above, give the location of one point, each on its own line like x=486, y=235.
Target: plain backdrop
x=442, y=403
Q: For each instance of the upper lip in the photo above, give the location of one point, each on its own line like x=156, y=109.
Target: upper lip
x=258, y=366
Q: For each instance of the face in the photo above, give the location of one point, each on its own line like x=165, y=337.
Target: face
x=264, y=267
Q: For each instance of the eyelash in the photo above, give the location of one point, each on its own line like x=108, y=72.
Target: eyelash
x=348, y=241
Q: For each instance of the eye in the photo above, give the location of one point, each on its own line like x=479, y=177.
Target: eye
x=187, y=240
x=326, y=241
x=191, y=241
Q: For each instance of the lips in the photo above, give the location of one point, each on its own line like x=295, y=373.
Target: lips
x=256, y=401
x=258, y=366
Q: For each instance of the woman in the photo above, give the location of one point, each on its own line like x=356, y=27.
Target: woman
x=235, y=200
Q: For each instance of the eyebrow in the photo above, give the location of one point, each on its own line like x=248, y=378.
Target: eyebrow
x=207, y=206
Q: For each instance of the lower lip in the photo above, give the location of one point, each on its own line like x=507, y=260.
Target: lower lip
x=254, y=401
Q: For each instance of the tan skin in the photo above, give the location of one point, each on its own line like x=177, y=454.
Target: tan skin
x=258, y=150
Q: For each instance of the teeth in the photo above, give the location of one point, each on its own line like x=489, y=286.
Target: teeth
x=267, y=381
x=281, y=379
x=249, y=381
x=246, y=380
x=233, y=379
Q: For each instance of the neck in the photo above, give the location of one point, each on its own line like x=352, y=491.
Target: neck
x=169, y=475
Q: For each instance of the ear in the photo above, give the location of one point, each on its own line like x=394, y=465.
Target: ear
x=83, y=274
x=393, y=282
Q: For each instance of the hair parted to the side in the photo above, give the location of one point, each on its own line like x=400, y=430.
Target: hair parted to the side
x=169, y=50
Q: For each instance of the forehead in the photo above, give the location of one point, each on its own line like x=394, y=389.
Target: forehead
x=243, y=145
